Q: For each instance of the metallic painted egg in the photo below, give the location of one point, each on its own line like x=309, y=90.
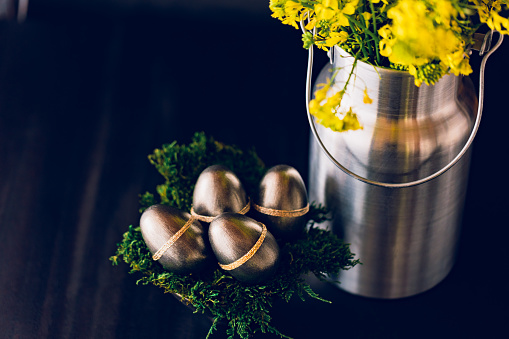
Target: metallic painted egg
x=282, y=188
x=233, y=235
x=190, y=253
x=218, y=190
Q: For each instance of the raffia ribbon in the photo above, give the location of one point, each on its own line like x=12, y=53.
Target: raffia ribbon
x=242, y=260
x=173, y=239
x=281, y=213
x=206, y=218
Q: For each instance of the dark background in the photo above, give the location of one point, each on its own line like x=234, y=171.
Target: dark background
x=89, y=88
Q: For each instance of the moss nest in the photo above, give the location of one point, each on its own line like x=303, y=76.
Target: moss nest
x=245, y=309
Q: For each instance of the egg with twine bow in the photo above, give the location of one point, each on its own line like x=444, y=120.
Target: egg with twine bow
x=244, y=247
x=175, y=239
x=282, y=202
x=216, y=191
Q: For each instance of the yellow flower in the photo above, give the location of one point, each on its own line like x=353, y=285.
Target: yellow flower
x=311, y=24
x=385, y=48
x=350, y=121
x=292, y=11
x=325, y=110
x=412, y=70
x=277, y=8
x=367, y=16
x=289, y=12
x=498, y=22
x=458, y=62
x=326, y=10
x=489, y=13
x=321, y=93
x=421, y=33
x=367, y=99
x=444, y=11
x=336, y=38
x=329, y=10
x=385, y=32
x=349, y=9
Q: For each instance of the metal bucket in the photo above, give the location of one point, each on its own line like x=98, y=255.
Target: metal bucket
x=396, y=188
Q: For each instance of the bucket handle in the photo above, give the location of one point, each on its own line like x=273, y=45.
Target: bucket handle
x=484, y=49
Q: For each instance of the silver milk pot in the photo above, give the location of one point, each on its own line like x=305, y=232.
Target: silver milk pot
x=396, y=188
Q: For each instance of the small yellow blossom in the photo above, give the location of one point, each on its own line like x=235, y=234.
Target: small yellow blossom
x=367, y=16
x=443, y=11
x=367, y=99
x=288, y=11
x=325, y=110
x=311, y=24
x=489, y=13
x=349, y=9
x=385, y=32
x=336, y=38
x=326, y=10
x=418, y=34
x=293, y=12
x=498, y=22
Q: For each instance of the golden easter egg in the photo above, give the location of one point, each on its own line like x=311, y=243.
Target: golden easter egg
x=165, y=225
x=218, y=190
x=282, y=202
x=244, y=247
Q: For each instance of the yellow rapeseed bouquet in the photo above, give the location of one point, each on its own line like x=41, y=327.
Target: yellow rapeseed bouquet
x=427, y=38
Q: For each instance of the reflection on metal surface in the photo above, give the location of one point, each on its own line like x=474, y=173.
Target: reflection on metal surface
x=405, y=236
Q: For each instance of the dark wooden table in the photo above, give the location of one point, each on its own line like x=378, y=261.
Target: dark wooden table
x=86, y=96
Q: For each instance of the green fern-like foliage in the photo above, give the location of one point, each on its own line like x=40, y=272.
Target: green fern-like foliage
x=244, y=308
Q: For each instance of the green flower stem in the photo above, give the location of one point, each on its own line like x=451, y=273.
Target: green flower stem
x=354, y=23
x=364, y=28
x=358, y=38
x=375, y=29
x=356, y=57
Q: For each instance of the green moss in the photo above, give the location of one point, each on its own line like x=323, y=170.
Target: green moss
x=245, y=308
